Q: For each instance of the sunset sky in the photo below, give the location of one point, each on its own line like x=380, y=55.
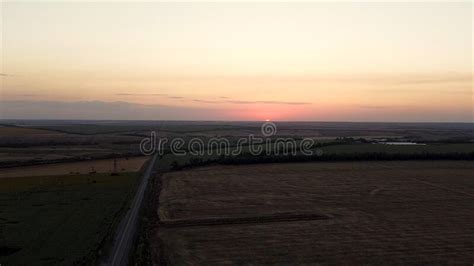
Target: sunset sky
x=247, y=61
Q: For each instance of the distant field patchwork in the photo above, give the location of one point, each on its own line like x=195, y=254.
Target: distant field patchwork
x=26, y=132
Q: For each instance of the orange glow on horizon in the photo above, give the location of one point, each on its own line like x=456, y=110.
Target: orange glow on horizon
x=241, y=61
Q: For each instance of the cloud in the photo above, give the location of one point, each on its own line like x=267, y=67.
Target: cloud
x=289, y=103
x=250, y=102
x=224, y=99
x=240, y=102
x=434, y=80
x=429, y=90
x=373, y=106
x=267, y=102
x=98, y=110
x=151, y=94
x=206, y=101
x=141, y=94
x=389, y=78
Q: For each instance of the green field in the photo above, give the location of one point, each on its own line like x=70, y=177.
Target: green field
x=61, y=219
x=401, y=149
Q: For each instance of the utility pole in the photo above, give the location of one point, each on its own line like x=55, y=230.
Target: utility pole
x=115, y=171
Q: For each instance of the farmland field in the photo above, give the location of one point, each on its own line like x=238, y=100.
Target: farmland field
x=331, y=213
x=132, y=164
x=26, y=132
x=52, y=211
x=402, y=149
x=60, y=219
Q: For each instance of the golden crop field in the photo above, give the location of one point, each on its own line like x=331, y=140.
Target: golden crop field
x=329, y=213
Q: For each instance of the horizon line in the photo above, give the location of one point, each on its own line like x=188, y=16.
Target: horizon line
x=235, y=121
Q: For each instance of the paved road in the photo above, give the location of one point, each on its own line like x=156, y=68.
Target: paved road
x=127, y=228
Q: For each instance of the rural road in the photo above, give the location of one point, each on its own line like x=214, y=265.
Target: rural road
x=127, y=228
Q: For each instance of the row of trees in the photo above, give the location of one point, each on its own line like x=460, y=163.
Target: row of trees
x=251, y=159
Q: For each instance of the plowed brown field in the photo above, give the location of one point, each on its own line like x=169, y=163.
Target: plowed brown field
x=417, y=212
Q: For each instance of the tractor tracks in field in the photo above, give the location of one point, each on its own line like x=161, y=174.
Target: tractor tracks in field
x=278, y=218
